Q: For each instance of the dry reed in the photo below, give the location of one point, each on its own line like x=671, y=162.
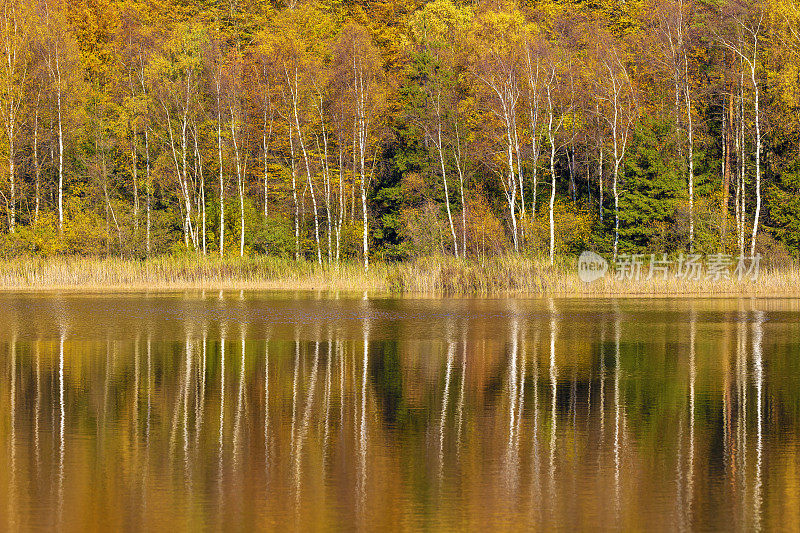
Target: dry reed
x=428, y=276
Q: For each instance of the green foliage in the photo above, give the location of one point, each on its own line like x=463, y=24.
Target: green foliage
x=274, y=236
x=572, y=229
x=422, y=92
x=651, y=190
x=783, y=199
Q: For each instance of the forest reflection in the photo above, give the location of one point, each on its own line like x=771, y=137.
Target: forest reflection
x=677, y=415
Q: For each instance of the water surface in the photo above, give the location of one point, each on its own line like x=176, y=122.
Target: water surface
x=300, y=411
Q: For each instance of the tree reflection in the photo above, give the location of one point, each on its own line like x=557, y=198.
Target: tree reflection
x=541, y=416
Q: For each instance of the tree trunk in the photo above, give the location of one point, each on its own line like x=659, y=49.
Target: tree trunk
x=757, y=213
x=149, y=187
x=135, y=165
x=266, y=139
x=726, y=172
x=439, y=147
x=552, y=198
x=202, y=200
x=463, y=199
x=361, y=112
x=294, y=196
x=294, y=88
x=221, y=178
x=12, y=209
x=533, y=113
x=36, y=164
x=326, y=177
x=240, y=185
x=511, y=192
x=340, y=218
x=742, y=165
x=690, y=133
x=552, y=140
x=600, y=180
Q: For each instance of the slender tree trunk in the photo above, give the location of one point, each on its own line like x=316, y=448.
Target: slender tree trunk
x=726, y=172
x=340, y=218
x=135, y=165
x=358, y=83
x=511, y=192
x=616, y=206
x=221, y=177
x=520, y=184
x=355, y=167
x=294, y=196
x=757, y=213
x=738, y=178
x=552, y=198
x=439, y=147
x=742, y=166
x=571, y=150
x=533, y=113
x=463, y=199
x=240, y=185
x=202, y=200
x=149, y=187
x=616, y=175
x=365, y=221
x=600, y=180
x=551, y=138
x=266, y=139
x=294, y=88
x=181, y=181
x=36, y=163
x=12, y=217
x=690, y=133
x=191, y=234
x=326, y=178
x=60, y=160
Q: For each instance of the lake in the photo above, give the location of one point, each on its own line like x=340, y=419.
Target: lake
x=246, y=411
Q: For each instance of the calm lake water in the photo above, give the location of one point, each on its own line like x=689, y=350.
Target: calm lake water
x=298, y=411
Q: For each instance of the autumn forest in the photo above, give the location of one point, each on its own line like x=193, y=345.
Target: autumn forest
x=384, y=130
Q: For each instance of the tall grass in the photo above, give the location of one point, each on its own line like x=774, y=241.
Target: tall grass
x=428, y=276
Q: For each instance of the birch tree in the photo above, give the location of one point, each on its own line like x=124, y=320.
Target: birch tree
x=435, y=32
x=14, y=65
x=617, y=102
x=555, y=120
x=673, y=19
x=176, y=76
x=356, y=60
x=747, y=49
x=497, y=42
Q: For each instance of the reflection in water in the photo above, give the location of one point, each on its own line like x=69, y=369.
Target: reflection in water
x=494, y=415
x=361, y=487
x=451, y=349
x=758, y=376
x=554, y=395
x=61, y=427
x=220, y=449
x=617, y=356
x=12, y=463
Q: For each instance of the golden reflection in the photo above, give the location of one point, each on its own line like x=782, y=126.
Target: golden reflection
x=12, y=464
x=543, y=416
x=758, y=378
x=553, y=401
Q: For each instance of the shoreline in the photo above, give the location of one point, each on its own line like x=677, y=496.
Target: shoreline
x=509, y=276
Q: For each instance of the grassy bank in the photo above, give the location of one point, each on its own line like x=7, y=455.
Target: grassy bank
x=429, y=276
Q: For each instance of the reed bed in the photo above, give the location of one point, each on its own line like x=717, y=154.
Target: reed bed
x=509, y=275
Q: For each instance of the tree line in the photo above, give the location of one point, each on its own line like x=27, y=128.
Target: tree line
x=388, y=130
